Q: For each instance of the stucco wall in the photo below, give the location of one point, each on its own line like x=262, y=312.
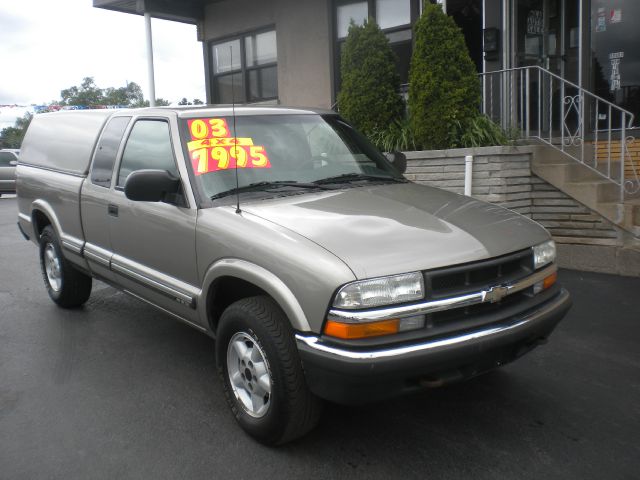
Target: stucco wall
x=502, y=175
x=304, y=42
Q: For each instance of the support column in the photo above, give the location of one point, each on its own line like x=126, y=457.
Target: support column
x=152, y=83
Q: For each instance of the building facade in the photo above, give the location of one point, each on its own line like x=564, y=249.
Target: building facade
x=288, y=51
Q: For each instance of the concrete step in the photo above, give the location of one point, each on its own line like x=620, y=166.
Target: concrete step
x=635, y=218
x=546, y=154
x=566, y=172
x=593, y=192
x=581, y=173
x=612, y=211
x=587, y=186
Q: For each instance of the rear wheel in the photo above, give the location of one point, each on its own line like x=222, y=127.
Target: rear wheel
x=67, y=286
x=262, y=374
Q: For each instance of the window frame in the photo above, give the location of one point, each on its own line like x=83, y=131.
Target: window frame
x=244, y=68
x=123, y=146
x=116, y=161
x=13, y=158
x=414, y=9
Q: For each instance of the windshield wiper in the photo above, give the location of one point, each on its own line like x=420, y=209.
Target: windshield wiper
x=348, y=177
x=264, y=185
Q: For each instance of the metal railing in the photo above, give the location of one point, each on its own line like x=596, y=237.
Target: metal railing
x=544, y=106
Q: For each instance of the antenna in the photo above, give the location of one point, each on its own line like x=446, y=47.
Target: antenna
x=235, y=136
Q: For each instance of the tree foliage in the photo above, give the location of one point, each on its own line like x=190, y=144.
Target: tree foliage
x=11, y=137
x=196, y=101
x=444, y=91
x=369, y=92
x=85, y=94
x=89, y=94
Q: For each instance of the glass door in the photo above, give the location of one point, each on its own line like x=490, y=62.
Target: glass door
x=547, y=35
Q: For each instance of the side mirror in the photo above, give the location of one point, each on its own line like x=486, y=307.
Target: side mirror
x=151, y=186
x=398, y=160
x=13, y=163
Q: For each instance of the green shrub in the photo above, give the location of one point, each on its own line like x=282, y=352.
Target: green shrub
x=398, y=136
x=479, y=131
x=369, y=96
x=443, y=85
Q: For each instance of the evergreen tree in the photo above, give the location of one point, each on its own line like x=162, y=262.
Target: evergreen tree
x=369, y=95
x=444, y=91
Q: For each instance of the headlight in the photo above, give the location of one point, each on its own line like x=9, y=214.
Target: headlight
x=381, y=291
x=544, y=254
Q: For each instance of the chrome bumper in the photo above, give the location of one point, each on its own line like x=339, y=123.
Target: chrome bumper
x=354, y=375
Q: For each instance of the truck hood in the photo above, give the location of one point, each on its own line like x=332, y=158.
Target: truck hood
x=394, y=228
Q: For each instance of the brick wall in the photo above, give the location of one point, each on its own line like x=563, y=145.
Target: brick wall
x=502, y=175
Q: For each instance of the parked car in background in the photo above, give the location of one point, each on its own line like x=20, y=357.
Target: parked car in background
x=8, y=162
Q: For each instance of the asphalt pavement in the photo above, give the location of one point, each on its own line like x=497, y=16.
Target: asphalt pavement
x=118, y=390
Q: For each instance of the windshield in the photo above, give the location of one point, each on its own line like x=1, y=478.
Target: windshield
x=288, y=149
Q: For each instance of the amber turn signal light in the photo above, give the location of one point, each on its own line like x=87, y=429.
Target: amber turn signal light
x=550, y=280
x=351, y=331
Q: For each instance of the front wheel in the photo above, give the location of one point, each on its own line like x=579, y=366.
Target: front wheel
x=66, y=286
x=262, y=374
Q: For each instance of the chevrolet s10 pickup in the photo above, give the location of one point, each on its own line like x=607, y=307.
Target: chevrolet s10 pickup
x=319, y=270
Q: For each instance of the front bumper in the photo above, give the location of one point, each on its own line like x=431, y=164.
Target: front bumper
x=358, y=376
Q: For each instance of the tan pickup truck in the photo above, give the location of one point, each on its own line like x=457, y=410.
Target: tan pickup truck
x=321, y=272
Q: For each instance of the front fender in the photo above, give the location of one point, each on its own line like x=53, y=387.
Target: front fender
x=260, y=277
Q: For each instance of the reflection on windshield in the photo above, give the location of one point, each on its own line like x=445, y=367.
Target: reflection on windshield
x=278, y=148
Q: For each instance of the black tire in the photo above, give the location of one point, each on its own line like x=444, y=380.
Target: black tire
x=74, y=287
x=292, y=410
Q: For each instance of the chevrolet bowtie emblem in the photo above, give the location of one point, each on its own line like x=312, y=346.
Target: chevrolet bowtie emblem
x=495, y=294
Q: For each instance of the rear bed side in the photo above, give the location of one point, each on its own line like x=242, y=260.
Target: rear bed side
x=55, y=158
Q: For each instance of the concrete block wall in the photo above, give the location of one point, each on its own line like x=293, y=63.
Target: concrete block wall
x=502, y=175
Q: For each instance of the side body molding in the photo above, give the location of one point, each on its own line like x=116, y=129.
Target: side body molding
x=261, y=277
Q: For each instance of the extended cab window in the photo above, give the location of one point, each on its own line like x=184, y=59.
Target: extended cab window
x=148, y=146
x=107, y=150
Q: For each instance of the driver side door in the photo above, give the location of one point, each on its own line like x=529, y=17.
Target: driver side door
x=153, y=243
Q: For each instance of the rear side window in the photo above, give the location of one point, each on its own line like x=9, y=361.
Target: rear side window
x=148, y=146
x=6, y=158
x=107, y=150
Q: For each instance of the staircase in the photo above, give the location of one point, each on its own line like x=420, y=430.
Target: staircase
x=583, y=144
x=587, y=186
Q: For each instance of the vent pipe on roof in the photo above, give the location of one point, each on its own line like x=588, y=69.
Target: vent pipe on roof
x=152, y=83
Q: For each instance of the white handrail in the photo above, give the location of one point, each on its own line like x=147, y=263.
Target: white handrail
x=544, y=106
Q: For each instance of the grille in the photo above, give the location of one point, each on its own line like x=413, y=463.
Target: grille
x=474, y=277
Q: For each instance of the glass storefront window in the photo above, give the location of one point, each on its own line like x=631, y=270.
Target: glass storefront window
x=230, y=88
x=253, y=75
x=615, y=53
x=358, y=12
x=393, y=13
x=261, y=48
x=222, y=53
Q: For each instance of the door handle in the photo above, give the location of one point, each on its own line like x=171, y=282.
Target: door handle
x=112, y=210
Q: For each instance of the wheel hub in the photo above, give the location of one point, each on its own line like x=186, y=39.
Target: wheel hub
x=249, y=374
x=52, y=267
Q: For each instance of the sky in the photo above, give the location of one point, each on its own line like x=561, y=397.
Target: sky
x=47, y=46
